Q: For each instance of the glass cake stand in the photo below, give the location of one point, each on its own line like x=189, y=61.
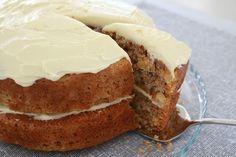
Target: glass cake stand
x=193, y=98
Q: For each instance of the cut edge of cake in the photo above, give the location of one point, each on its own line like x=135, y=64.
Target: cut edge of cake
x=157, y=79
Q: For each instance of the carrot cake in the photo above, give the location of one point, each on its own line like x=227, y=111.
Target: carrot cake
x=84, y=71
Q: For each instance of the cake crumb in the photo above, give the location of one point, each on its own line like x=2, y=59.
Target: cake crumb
x=158, y=146
x=169, y=146
x=156, y=137
x=145, y=147
x=146, y=143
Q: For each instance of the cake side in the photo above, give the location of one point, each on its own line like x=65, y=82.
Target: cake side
x=69, y=133
x=73, y=92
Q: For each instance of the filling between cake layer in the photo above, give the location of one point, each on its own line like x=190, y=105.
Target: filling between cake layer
x=138, y=89
x=4, y=110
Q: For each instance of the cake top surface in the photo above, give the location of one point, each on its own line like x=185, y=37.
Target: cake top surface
x=47, y=38
x=161, y=45
x=51, y=46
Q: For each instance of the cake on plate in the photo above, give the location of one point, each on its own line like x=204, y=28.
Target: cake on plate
x=76, y=73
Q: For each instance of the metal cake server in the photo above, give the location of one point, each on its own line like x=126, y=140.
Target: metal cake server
x=185, y=115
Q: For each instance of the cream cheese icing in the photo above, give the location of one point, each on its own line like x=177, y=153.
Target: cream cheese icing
x=5, y=110
x=159, y=44
x=51, y=46
x=140, y=90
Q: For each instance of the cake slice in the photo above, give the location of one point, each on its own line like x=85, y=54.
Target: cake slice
x=159, y=63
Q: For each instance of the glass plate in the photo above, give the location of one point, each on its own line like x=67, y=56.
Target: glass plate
x=193, y=98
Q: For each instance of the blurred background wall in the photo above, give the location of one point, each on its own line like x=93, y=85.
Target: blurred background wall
x=224, y=9
x=220, y=14
x=221, y=8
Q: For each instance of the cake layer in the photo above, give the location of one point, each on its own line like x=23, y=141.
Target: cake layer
x=159, y=44
x=72, y=92
x=69, y=133
x=90, y=12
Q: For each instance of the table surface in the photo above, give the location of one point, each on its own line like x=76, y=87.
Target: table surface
x=214, y=56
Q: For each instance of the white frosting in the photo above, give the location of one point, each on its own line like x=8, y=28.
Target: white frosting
x=44, y=117
x=159, y=44
x=140, y=90
x=51, y=46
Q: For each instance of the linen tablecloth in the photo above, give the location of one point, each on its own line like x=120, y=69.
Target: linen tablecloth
x=214, y=56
